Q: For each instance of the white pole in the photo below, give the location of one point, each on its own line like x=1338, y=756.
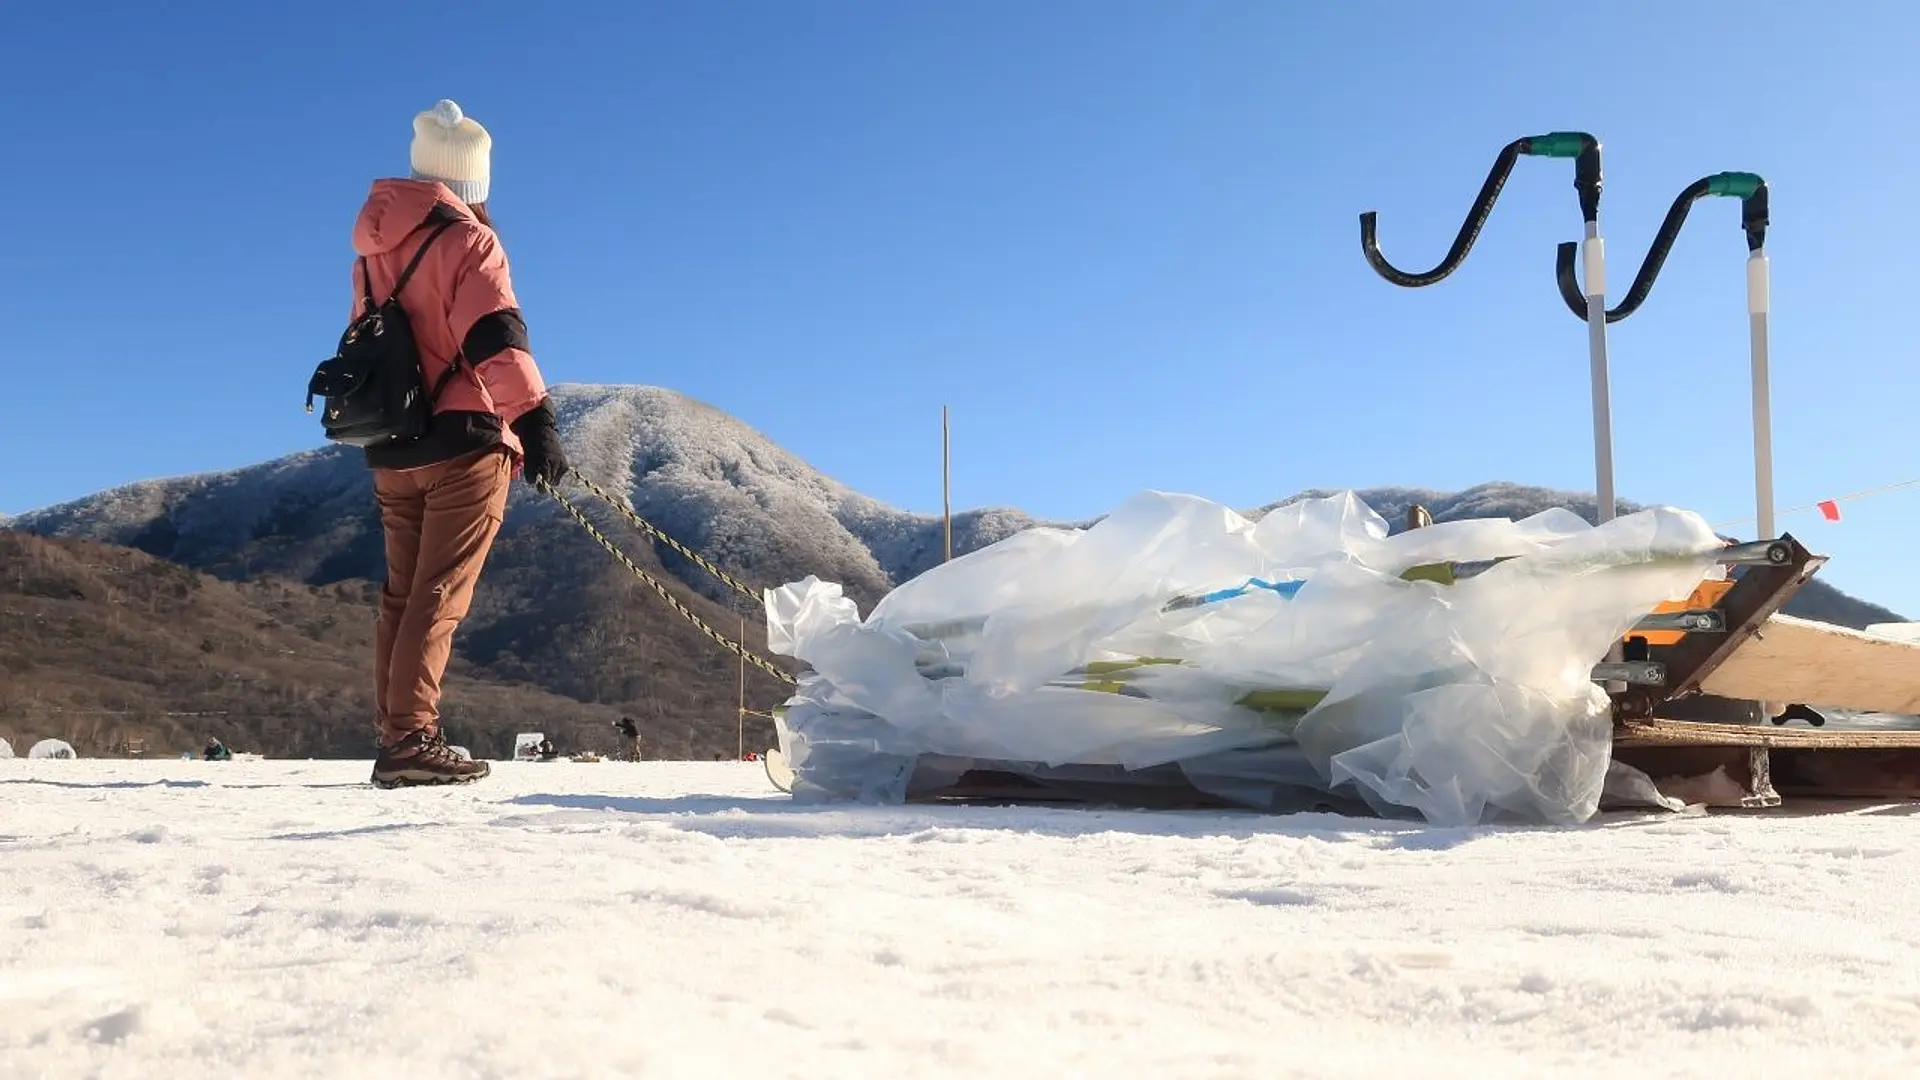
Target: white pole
x=1759, y=300
x=1593, y=254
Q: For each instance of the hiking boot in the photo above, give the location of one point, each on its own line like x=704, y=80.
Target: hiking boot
x=424, y=758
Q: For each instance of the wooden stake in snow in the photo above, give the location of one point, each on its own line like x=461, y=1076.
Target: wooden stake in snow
x=946, y=485
x=740, y=717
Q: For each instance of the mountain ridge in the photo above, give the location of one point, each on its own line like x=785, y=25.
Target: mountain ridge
x=110, y=647
x=703, y=476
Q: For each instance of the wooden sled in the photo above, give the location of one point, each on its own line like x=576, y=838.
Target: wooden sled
x=1724, y=689
x=1701, y=687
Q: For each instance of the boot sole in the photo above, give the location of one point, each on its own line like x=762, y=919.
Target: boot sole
x=424, y=779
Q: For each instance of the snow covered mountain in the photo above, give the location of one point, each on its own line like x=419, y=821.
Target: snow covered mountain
x=703, y=476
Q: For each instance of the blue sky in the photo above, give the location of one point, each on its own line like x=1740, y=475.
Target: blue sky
x=1118, y=238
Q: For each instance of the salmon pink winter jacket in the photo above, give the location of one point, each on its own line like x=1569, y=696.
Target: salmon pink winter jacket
x=461, y=304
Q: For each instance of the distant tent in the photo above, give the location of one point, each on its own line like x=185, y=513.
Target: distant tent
x=6, y=749
x=51, y=748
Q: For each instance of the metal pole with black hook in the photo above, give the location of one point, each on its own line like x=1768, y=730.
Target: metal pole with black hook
x=1585, y=150
x=1751, y=190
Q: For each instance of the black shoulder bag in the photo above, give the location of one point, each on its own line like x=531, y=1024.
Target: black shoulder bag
x=374, y=390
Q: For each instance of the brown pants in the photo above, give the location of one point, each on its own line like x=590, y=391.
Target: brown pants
x=440, y=523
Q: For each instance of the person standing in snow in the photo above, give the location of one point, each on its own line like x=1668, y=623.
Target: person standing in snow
x=626, y=727
x=442, y=496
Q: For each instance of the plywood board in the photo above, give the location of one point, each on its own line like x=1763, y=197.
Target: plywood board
x=1795, y=660
x=1695, y=733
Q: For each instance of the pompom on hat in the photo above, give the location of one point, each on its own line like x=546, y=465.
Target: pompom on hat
x=452, y=147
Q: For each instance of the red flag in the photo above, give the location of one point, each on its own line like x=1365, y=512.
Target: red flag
x=1830, y=510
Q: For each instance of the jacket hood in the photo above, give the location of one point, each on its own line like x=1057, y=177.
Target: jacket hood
x=395, y=208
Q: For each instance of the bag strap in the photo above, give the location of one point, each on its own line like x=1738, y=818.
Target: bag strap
x=366, y=284
x=421, y=253
x=459, y=355
x=453, y=368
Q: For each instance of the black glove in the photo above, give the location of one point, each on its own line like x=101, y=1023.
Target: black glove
x=546, y=459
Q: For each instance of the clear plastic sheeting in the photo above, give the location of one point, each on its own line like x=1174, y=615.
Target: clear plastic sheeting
x=1308, y=658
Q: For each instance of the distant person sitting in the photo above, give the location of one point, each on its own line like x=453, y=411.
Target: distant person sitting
x=216, y=751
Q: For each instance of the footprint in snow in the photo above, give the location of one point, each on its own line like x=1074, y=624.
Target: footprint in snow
x=114, y=1027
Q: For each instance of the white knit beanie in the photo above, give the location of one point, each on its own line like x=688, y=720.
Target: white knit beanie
x=453, y=148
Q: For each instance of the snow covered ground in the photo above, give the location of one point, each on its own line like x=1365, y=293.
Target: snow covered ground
x=268, y=918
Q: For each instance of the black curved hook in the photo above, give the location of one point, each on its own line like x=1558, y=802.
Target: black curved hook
x=1750, y=189
x=1574, y=144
